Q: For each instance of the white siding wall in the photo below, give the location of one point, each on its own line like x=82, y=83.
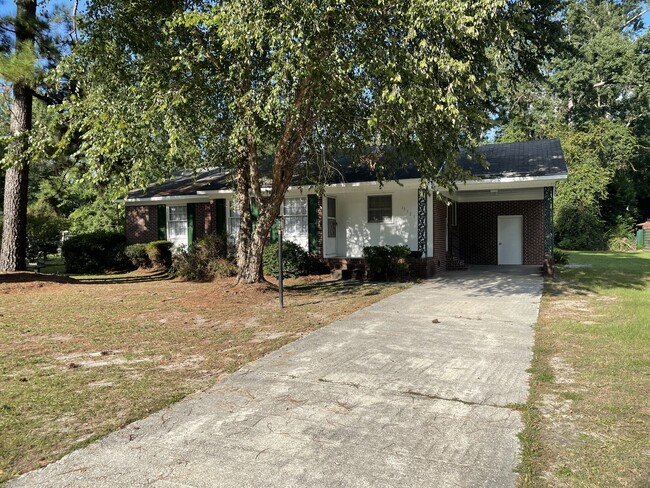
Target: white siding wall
x=354, y=231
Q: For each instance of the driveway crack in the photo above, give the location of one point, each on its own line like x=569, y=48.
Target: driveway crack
x=454, y=399
x=417, y=394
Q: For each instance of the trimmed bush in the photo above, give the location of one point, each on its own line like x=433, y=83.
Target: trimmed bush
x=387, y=263
x=137, y=253
x=295, y=260
x=204, y=260
x=160, y=254
x=95, y=252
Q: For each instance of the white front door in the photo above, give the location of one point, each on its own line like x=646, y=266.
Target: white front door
x=510, y=239
x=330, y=228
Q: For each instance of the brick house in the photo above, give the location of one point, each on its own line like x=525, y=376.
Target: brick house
x=503, y=215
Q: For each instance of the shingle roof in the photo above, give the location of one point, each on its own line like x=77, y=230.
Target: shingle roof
x=518, y=159
x=186, y=183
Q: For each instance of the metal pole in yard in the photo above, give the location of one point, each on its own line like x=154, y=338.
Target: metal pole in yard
x=280, y=284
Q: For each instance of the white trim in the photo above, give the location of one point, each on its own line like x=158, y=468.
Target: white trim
x=173, y=199
x=501, y=195
x=506, y=183
x=509, y=182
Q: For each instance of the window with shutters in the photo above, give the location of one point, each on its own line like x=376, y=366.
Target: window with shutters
x=380, y=208
x=295, y=215
x=177, y=224
x=296, y=225
x=234, y=220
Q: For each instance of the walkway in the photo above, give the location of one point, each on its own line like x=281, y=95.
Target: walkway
x=415, y=390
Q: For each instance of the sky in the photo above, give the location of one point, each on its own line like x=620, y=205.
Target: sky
x=8, y=7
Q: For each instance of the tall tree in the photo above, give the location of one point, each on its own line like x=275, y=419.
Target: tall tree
x=262, y=86
x=14, y=230
x=596, y=98
x=30, y=44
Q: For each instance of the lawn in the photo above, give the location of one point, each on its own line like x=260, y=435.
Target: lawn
x=588, y=415
x=81, y=358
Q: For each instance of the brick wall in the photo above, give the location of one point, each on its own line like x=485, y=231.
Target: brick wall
x=425, y=267
x=439, y=254
x=141, y=224
x=204, y=219
x=477, y=230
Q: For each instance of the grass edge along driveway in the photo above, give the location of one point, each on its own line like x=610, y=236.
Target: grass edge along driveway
x=588, y=416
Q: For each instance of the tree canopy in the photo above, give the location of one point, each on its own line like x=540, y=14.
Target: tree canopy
x=197, y=83
x=595, y=96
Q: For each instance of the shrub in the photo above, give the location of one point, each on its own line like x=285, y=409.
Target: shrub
x=295, y=260
x=95, y=252
x=579, y=228
x=204, y=260
x=137, y=253
x=160, y=254
x=212, y=247
x=621, y=237
x=560, y=256
x=387, y=263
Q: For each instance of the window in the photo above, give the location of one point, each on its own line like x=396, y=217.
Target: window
x=234, y=217
x=177, y=224
x=294, y=211
x=296, y=229
x=380, y=208
x=331, y=217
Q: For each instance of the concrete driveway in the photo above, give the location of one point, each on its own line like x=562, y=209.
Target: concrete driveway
x=412, y=391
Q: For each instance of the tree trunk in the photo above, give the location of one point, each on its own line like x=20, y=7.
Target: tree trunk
x=251, y=243
x=246, y=272
x=14, y=234
x=250, y=269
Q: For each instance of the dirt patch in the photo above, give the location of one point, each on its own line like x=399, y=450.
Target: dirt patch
x=563, y=372
x=28, y=282
x=98, y=359
x=31, y=277
x=570, y=306
x=190, y=362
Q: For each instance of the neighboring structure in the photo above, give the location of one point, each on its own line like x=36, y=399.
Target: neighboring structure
x=643, y=235
x=504, y=216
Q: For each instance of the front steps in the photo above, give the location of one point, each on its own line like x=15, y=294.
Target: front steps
x=455, y=264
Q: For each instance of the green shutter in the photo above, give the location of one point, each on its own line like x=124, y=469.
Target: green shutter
x=220, y=216
x=190, y=223
x=274, y=233
x=162, y=222
x=312, y=223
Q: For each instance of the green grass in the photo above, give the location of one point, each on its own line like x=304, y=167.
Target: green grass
x=587, y=421
x=54, y=264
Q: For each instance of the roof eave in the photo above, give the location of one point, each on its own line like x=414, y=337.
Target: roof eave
x=511, y=182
